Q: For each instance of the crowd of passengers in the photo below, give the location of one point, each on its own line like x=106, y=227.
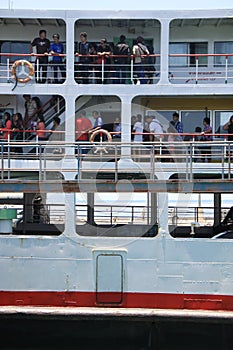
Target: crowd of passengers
x=90, y=57
x=20, y=128
x=147, y=129
x=151, y=130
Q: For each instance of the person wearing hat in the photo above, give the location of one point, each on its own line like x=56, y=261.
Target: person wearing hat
x=57, y=50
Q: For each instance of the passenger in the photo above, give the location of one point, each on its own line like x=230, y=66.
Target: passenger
x=83, y=126
x=98, y=120
x=138, y=129
x=42, y=45
x=56, y=49
x=229, y=127
x=177, y=125
x=6, y=134
x=17, y=131
x=98, y=124
x=8, y=126
x=40, y=129
x=150, y=67
x=206, y=137
x=30, y=111
x=139, y=49
x=172, y=137
x=104, y=52
x=138, y=136
x=133, y=121
x=155, y=128
x=1, y=127
x=121, y=67
x=117, y=129
x=55, y=135
x=84, y=50
x=156, y=132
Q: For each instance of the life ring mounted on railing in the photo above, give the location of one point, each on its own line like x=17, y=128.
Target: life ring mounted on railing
x=100, y=132
x=29, y=75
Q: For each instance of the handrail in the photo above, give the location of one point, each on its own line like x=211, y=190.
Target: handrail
x=113, y=72
x=184, y=154
x=193, y=135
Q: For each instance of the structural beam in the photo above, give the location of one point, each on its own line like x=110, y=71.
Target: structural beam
x=88, y=186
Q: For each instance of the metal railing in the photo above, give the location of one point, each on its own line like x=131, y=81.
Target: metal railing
x=186, y=157
x=200, y=72
x=96, y=70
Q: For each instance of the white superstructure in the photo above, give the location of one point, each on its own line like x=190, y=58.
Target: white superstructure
x=91, y=245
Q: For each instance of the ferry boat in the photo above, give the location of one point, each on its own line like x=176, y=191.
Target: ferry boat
x=109, y=226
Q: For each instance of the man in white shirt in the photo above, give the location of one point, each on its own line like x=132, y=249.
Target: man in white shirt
x=155, y=128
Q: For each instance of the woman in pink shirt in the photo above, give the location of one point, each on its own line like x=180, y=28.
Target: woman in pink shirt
x=40, y=129
x=8, y=126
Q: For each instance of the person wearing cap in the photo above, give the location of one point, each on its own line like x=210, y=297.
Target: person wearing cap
x=57, y=49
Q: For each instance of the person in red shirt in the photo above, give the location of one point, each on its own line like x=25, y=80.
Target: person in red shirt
x=8, y=126
x=40, y=129
x=83, y=125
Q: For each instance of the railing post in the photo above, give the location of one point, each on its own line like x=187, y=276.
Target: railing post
x=8, y=70
x=102, y=70
x=2, y=170
x=116, y=164
x=226, y=72
x=196, y=75
x=131, y=68
x=132, y=214
x=40, y=163
x=44, y=155
x=8, y=156
x=229, y=160
x=37, y=70
x=36, y=145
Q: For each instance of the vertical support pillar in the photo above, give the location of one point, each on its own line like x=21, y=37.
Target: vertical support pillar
x=27, y=209
x=217, y=208
x=163, y=212
x=90, y=208
x=70, y=23
x=68, y=161
x=154, y=209
x=126, y=126
x=164, y=59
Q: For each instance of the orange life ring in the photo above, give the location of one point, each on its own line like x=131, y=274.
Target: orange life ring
x=22, y=63
x=99, y=131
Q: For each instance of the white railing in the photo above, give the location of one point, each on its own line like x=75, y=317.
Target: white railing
x=185, y=157
x=97, y=70
x=201, y=73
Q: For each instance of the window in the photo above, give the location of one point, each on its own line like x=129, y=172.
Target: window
x=185, y=49
x=221, y=47
x=198, y=48
x=14, y=47
x=192, y=119
x=221, y=118
x=177, y=49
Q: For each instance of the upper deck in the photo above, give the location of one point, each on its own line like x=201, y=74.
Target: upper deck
x=190, y=71
x=188, y=48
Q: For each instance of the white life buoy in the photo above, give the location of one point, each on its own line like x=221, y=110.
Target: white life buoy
x=100, y=131
x=22, y=63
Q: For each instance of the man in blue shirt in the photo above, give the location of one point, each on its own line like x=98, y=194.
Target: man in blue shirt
x=177, y=124
x=56, y=49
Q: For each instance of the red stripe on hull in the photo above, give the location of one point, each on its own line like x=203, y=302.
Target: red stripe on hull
x=130, y=300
